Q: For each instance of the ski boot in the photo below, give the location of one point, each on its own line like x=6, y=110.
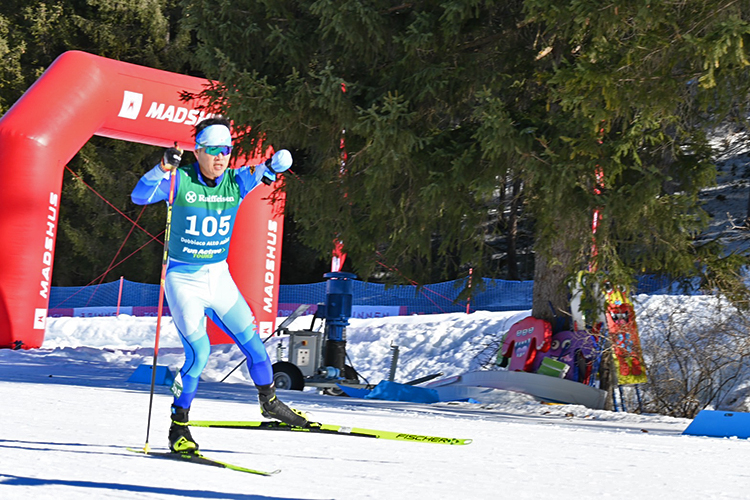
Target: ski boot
x=180, y=440
x=272, y=407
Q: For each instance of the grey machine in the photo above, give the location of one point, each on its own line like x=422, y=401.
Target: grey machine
x=315, y=358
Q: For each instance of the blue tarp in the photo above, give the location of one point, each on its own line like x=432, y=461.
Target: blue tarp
x=720, y=424
x=393, y=391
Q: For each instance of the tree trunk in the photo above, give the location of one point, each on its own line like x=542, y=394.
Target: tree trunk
x=550, y=296
x=551, y=302
x=607, y=376
x=512, y=259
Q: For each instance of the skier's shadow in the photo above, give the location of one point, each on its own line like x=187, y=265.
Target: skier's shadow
x=11, y=480
x=49, y=446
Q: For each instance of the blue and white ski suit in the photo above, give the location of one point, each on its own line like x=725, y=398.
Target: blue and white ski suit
x=198, y=283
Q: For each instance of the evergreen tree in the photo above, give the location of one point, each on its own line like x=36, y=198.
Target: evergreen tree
x=426, y=97
x=632, y=90
x=593, y=107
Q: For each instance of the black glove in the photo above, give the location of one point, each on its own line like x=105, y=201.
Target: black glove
x=171, y=158
x=269, y=176
x=278, y=163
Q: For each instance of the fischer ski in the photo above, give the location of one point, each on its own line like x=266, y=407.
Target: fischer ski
x=198, y=458
x=328, y=429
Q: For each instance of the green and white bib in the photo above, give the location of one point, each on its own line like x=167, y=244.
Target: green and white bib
x=203, y=217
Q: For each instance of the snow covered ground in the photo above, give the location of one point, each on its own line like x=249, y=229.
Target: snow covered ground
x=68, y=413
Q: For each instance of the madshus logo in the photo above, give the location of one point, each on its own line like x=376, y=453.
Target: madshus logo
x=132, y=102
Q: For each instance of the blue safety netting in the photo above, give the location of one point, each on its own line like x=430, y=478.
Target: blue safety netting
x=498, y=295
x=489, y=295
x=134, y=294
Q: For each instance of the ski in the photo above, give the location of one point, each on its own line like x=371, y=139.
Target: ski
x=198, y=458
x=328, y=429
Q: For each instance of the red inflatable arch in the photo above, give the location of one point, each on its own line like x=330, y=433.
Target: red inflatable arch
x=81, y=95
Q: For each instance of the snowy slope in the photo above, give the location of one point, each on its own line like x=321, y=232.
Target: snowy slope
x=728, y=202
x=69, y=412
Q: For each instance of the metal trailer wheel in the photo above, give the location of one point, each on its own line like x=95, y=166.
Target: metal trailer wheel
x=287, y=376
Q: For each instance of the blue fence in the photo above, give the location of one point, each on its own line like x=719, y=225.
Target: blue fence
x=495, y=295
x=141, y=299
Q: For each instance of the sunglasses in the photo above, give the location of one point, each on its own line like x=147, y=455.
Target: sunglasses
x=215, y=150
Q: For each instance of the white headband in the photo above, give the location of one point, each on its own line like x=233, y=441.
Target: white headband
x=213, y=135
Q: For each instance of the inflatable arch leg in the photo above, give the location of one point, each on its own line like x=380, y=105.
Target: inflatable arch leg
x=81, y=95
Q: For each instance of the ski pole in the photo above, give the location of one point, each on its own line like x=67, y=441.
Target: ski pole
x=296, y=314
x=162, y=280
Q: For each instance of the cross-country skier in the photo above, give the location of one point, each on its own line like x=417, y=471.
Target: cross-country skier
x=198, y=283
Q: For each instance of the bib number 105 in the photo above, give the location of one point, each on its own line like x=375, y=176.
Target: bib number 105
x=209, y=225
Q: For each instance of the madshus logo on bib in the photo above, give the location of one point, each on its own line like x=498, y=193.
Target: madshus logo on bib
x=191, y=197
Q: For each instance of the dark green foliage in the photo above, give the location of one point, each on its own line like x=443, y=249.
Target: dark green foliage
x=448, y=103
x=32, y=35
x=632, y=90
x=432, y=94
x=91, y=231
